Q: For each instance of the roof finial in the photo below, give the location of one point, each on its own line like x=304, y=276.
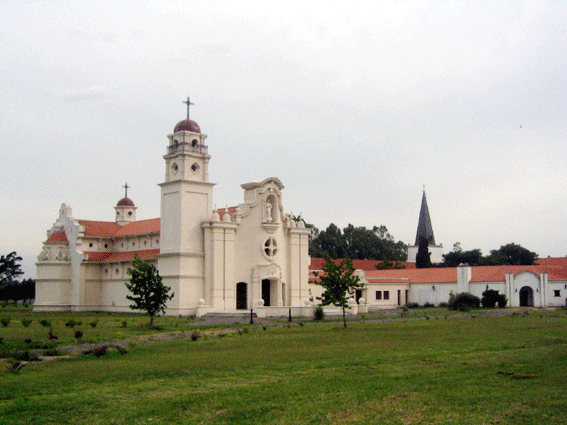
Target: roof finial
x=126, y=189
x=424, y=188
x=188, y=103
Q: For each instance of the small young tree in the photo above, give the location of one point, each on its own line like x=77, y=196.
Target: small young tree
x=339, y=282
x=149, y=294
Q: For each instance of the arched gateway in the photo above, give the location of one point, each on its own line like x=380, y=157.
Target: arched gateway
x=526, y=297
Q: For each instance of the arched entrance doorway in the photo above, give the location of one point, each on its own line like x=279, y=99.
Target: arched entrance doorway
x=241, y=296
x=266, y=292
x=526, y=297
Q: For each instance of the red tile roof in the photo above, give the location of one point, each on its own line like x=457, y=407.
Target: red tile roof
x=57, y=237
x=110, y=229
x=139, y=227
x=99, y=228
x=434, y=275
x=556, y=269
x=97, y=256
x=120, y=256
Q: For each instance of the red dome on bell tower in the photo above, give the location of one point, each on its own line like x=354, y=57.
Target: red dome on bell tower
x=187, y=125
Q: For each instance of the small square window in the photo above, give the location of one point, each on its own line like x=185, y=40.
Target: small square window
x=378, y=295
x=556, y=293
x=386, y=295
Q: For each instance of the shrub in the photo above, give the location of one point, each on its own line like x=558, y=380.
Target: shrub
x=46, y=323
x=78, y=334
x=124, y=323
x=26, y=322
x=25, y=356
x=51, y=335
x=70, y=323
x=5, y=321
x=443, y=305
x=101, y=350
x=195, y=335
x=502, y=301
x=489, y=298
x=451, y=300
x=412, y=305
x=93, y=324
x=428, y=305
x=52, y=352
x=463, y=301
x=318, y=313
x=28, y=340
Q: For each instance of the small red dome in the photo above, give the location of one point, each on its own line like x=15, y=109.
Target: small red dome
x=187, y=125
x=125, y=202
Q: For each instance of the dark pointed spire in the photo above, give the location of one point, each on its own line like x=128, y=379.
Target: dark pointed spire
x=424, y=228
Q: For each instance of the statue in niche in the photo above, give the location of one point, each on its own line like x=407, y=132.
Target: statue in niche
x=269, y=208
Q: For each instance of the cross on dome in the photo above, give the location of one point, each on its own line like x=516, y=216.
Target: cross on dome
x=126, y=189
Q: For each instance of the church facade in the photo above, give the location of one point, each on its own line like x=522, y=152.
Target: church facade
x=250, y=256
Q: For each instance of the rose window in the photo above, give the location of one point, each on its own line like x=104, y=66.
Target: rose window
x=270, y=247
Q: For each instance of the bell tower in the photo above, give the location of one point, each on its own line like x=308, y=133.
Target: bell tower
x=125, y=209
x=186, y=202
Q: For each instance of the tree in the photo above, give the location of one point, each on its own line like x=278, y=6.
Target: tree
x=10, y=288
x=339, y=282
x=423, y=257
x=330, y=240
x=15, y=290
x=149, y=294
x=511, y=254
x=9, y=268
x=358, y=243
x=454, y=258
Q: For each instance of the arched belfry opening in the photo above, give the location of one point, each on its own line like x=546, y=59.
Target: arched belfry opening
x=526, y=297
x=241, y=296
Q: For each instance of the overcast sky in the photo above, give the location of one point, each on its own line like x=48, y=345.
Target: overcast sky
x=353, y=105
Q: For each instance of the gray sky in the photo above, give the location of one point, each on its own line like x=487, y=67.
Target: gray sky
x=353, y=105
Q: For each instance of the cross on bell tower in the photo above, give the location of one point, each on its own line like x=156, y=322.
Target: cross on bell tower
x=188, y=103
x=126, y=189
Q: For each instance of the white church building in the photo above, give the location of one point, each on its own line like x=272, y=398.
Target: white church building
x=253, y=256
x=250, y=256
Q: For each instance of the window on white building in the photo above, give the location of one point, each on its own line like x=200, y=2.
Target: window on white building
x=378, y=295
x=386, y=295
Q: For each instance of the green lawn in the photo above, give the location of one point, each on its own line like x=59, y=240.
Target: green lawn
x=483, y=370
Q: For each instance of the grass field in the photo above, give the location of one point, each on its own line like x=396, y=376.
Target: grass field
x=484, y=370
